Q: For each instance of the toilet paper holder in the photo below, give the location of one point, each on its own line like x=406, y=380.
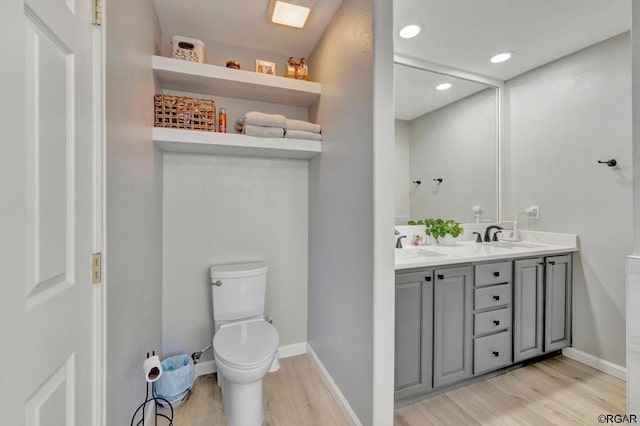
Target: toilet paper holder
x=152, y=371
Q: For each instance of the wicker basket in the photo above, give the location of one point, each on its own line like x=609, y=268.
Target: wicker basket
x=180, y=112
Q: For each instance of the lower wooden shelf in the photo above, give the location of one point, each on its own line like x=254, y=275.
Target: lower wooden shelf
x=196, y=142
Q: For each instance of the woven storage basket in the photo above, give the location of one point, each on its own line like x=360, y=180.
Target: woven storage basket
x=180, y=112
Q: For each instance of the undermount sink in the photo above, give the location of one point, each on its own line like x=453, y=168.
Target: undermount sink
x=408, y=253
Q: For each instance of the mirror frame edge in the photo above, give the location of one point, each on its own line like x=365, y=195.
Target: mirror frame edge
x=501, y=119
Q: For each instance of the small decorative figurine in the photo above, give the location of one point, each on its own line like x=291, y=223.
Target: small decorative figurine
x=297, y=70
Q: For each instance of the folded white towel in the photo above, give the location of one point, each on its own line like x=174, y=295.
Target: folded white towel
x=301, y=125
x=263, y=119
x=263, y=132
x=300, y=134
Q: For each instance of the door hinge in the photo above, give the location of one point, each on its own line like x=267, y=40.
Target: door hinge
x=96, y=268
x=97, y=12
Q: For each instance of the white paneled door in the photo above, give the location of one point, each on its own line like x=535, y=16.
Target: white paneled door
x=49, y=226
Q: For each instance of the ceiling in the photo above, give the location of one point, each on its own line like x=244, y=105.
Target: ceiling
x=411, y=81
x=460, y=34
x=464, y=34
x=244, y=23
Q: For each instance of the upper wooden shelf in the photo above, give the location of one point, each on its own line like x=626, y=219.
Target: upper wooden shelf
x=175, y=74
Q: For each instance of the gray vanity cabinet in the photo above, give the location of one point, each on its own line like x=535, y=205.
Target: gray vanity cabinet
x=453, y=321
x=528, y=301
x=492, y=343
x=558, y=295
x=414, y=333
x=542, y=306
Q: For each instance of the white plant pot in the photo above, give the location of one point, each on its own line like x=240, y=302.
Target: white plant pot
x=430, y=241
x=448, y=240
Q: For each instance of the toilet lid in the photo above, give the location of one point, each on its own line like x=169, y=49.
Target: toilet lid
x=247, y=344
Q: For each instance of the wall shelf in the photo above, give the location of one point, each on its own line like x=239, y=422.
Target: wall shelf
x=196, y=142
x=175, y=74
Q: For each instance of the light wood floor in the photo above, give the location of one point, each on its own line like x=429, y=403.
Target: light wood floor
x=295, y=395
x=558, y=391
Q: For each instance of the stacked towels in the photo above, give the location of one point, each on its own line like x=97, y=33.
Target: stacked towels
x=265, y=125
x=262, y=125
x=298, y=129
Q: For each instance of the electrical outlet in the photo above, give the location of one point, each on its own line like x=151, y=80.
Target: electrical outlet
x=534, y=212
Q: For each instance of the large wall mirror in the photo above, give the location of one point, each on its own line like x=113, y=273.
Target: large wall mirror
x=447, y=140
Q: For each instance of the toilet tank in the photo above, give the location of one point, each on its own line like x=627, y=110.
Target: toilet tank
x=238, y=290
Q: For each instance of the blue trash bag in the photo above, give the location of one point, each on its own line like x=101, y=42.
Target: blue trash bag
x=177, y=377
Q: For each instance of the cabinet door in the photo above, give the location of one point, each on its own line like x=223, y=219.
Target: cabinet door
x=414, y=333
x=528, y=324
x=453, y=293
x=558, y=290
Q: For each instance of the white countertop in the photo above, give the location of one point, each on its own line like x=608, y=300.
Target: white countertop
x=533, y=244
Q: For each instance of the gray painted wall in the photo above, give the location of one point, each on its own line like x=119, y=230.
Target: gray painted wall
x=223, y=209
x=236, y=108
x=219, y=53
x=562, y=118
x=340, y=328
x=459, y=144
x=402, y=175
x=134, y=209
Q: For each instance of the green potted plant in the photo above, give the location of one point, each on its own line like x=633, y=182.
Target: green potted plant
x=443, y=231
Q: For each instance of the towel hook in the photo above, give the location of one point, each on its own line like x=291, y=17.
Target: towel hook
x=610, y=163
x=438, y=180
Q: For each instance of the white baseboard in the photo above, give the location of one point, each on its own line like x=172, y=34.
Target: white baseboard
x=204, y=367
x=208, y=367
x=292, y=350
x=353, y=419
x=605, y=366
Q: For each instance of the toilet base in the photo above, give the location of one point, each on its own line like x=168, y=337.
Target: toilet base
x=242, y=403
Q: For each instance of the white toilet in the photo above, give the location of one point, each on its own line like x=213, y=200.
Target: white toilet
x=244, y=344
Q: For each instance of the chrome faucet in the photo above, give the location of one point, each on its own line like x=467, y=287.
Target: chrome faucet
x=487, y=233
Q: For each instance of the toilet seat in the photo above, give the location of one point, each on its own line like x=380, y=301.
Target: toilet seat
x=246, y=345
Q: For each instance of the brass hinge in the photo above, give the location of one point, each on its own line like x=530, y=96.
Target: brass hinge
x=97, y=12
x=96, y=268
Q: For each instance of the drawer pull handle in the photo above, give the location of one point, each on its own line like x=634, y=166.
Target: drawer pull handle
x=496, y=354
x=496, y=297
x=496, y=274
x=496, y=322
x=427, y=279
x=441, y=277
x=551, y=262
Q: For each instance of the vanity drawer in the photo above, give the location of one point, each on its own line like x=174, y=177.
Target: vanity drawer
x=492, y=321
x=491, y=352
x=493, y=273
x=491, y=297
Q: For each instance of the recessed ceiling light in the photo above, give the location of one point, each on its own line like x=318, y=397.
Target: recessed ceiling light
x=291, y=15
x=410, y=30
x=443, y=86
x=501, y=57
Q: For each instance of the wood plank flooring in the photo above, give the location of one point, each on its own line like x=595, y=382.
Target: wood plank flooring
x=295, y=395
x=558, y=391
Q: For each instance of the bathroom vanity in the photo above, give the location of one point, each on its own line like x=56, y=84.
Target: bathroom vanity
x=472, y=309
